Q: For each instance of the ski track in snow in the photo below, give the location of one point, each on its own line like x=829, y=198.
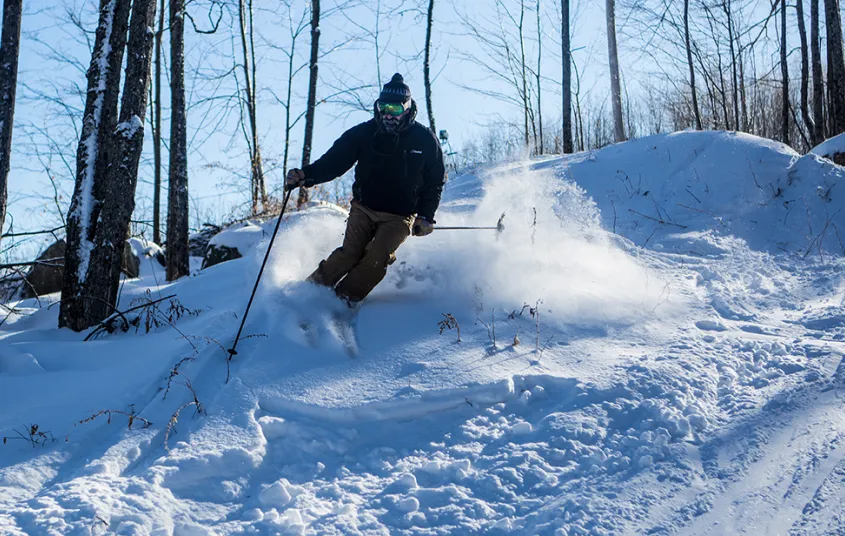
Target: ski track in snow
x=693, y=386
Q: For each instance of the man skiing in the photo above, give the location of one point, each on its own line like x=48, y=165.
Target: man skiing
x=398, y=182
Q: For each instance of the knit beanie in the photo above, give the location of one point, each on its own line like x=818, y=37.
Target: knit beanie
x=395, y=91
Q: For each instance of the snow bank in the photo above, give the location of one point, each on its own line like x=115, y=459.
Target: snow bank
x=675, y=191
x=832, y=149
x=246, y=235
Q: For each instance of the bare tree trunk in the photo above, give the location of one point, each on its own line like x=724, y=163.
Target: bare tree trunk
x=79, y=291
x=566, y=64
x=835, y=68
x=742, y=90
x=257, y=163
x=376, y=45
x=312, y=95
x=259, y=192
x=721, y=87
x=726, y=5
x=613, y=61
x=288, y=100
x=579, y=116
x=9, y=49
x=805, y=71
x=427, y=66
x=566, y=61
x=104, y=197
x=177, y=200
x=157, y=129
x=525, y=98
x=818, y=83
x=688, y=44
x=784, y=72
x=542, y=149
x=123, y=153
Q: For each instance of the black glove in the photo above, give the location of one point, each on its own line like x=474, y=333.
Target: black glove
x=295, y=179
x=423, y=227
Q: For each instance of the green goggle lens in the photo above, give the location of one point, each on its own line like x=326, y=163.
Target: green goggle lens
x=391, y=108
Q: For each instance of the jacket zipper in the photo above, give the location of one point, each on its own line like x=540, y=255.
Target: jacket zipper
x=405, y=158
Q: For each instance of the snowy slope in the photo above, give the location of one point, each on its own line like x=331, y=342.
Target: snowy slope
x=725, y=183
x=687, y=386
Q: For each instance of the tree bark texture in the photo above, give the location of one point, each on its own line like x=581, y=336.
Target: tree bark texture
x=95, y=247
x=818, y=82
x=726, y=5
x=427, y=66
x=81, y=293
x=157, y=130
x=526, y=102
x=312, y=95
x=835, y=68
x=123, y=153
x=177, y=202
x=257, y=187
x=540, y=145
x=566, y=60
x=687, y=41
x=613, y=62
x=805, y=71
x=10, y=42
x=784, y=73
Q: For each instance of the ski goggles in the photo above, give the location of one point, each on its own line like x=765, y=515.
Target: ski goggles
x=394, y=109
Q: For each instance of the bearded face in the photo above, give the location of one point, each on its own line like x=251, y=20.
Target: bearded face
x=392, y=123
x=392, y=115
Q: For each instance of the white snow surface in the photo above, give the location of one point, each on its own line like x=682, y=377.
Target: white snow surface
x=688, y=378
x=830, y=146
x=246, y=235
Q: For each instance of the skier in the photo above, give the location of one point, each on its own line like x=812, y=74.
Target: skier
x=398, y=182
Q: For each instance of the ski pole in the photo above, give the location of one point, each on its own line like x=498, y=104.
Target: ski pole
x=500, y=226
x=232, y=351
x=440, y=228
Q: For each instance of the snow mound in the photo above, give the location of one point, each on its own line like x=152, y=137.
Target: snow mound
x=246, y=235
x=832, y=149
x=675, y=192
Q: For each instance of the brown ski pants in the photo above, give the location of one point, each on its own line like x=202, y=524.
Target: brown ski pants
x=371, y=239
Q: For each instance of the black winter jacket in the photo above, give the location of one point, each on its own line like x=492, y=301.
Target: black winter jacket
x=399, y=173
